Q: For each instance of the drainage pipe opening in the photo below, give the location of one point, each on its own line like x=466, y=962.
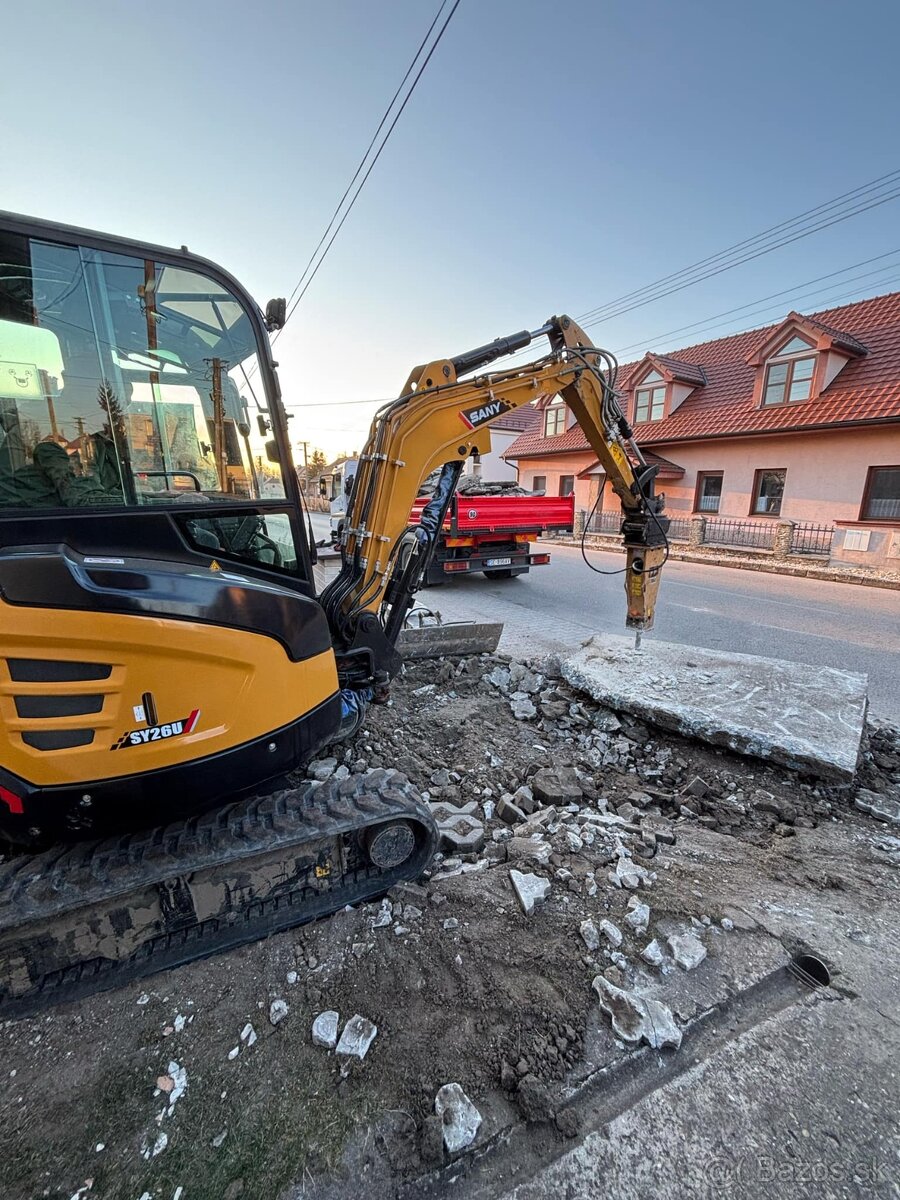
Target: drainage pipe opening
x=810, y=970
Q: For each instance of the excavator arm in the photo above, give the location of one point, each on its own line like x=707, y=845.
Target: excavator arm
x=439, y=420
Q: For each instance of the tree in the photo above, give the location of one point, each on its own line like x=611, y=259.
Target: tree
x=114, y=425
x=317, y=460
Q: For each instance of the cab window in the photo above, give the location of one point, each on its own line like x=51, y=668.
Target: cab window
x=125, y=382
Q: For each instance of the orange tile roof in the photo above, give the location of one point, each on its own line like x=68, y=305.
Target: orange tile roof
x=867, y=390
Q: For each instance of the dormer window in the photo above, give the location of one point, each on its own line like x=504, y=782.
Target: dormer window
x=555, y=420
x=789, y=373
x=650, y=398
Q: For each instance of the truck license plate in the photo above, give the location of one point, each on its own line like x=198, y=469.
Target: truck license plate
x=498, y=562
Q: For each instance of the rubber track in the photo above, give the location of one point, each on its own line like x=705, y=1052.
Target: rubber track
x=45, y=888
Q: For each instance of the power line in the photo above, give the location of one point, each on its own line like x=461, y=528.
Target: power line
x=865, y=197
x=747, y=258
x=832, y=301
x=793, y=292
x=365, y=156
x=790, y=291
x=821, y=209
x=306, y=278
x=380, y=149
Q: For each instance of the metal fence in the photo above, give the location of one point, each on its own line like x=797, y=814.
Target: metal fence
x=679, y=529
x=757, y=535
x=809, y=538
x=605, y=522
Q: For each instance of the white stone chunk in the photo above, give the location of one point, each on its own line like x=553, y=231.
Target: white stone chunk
x=459, y=1117
x=357, y=1036
x=325, y=1029
x=529, y=889
x=612, y=933
x=638, y=917
x=687, y=950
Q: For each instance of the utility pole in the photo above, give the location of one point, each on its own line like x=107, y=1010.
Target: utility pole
x=218, y=404
x=305, y=446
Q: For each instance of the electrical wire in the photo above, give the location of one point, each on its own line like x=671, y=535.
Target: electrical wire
x=300, y=291
x=720, y=262
x=746, y=258
x=888, y=180
x=371, y=166
x=368, y=151
x=791, y=291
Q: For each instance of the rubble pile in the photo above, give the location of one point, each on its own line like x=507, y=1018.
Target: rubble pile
x=561, y=740
x=559, y=927
x=473, y=485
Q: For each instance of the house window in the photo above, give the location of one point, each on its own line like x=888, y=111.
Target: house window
x=650, y=401
x=768, y=488
x=789, y=375
x=539, y=483
x=709, y=492
x=566, y=485
x=881, y=499
x=555, y=420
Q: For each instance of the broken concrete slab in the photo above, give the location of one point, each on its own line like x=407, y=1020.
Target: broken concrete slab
x=804, y=717
x=883, y=808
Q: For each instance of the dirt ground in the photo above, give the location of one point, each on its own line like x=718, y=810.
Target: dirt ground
x=462, y=985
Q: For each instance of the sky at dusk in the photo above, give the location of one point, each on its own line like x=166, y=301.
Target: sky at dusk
x=552, y=158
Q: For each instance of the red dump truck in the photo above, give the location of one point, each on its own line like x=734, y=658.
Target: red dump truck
x=493, y=533
x=489, y=527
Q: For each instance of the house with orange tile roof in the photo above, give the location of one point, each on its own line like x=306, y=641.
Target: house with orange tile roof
x=798, y=422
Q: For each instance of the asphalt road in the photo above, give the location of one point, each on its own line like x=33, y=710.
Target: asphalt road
x=557, y=607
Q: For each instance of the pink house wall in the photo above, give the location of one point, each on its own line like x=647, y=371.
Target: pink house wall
x=553, y=468
x=826, y=472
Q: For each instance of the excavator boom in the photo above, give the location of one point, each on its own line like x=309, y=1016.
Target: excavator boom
x=439, y=420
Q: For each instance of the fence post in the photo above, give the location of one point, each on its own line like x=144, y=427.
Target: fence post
x=580, y=518
x=784, y=537
x=697, y=531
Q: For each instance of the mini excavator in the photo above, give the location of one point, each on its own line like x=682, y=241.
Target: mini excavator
x=165, y=658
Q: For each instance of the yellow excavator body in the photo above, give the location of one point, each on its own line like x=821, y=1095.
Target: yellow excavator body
x=123, y=695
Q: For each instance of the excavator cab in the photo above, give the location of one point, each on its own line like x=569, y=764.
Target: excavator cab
x=150, y=524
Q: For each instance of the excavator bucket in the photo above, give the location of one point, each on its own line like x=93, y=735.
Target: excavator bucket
x=431, y=638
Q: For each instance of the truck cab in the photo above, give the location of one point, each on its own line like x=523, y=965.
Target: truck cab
x=336, y=488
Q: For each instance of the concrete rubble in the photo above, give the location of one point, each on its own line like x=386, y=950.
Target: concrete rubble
x=577, y=809
x=687, y=950
x=529, y=889
x=638, y=915
x=637, y=1018
x=652, y=953
x=590, y=935
x=325, y=1029
x=278, y=1010
x=804, y=717
x=356, y=1038
x=460, y=1119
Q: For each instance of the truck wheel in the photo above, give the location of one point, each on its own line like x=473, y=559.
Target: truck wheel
x=502, y=573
